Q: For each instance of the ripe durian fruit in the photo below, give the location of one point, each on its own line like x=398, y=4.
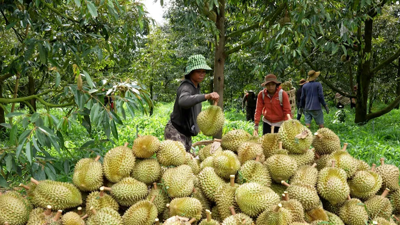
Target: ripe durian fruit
x=145, y=146
x=334, y=219
x=248, y=151
x=118, y=163
x=237, y=219
x=88, y=174
x=254, y=171
x=147, y=171
x=304, y=159
x=281, y=166
x=141, y=213
x=317, y=213
x=225, y=197
x=44, y=216
x=379, y=206
x=383, y=221
x=171, y=153
x=306, y=175
x=278, y=188
x=395, y=199
x=72, y=218
x=161, y=198
x=300, y=223
x=321, y=161
x=226, y=163
x=208, y=162
x=304, y=193
x=128, y=191
x=332, y=184
x=178, y=181
x=208, y=220
x=98, y=200
x=14, y=208
x=205, y=203
x=209, y=150
x=211, y=120
x=59, y=195
x=187, y=207
x=277, y=216
x=253, y=198
x=353, y=212
x=193, y=163
x=270, y=143
x=296, y=137
x=344, y=161
x=389, y=174
x=365, y=183
x=362, y=165
x=295, y=208
x=209, y=182
x=104, y=216
x=215, y=214
x=326, y=141
x=233, y=139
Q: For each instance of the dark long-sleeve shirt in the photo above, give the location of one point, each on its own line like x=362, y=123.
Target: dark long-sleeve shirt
x=312, y=96
x=298, y=95
x=187, y=107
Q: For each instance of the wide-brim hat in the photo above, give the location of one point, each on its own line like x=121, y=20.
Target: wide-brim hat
x=302, y=81
x=312, y=75
x=196, y=62
x=270, y=78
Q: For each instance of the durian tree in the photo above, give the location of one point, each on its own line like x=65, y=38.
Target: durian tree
x=61, y=62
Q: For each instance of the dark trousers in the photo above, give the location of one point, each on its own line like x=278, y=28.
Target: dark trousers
x=250, y=111
x=298, y=113
x=267, y=128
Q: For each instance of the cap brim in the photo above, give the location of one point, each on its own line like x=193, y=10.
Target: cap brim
x=199, y=67
x=265, y=83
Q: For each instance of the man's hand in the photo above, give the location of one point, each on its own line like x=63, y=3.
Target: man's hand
x=213, y=96
x=327, y=109
x=255, y=132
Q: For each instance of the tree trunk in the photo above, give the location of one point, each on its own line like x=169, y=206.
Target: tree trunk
x=2, y=116
x=364, y=76
x=398, y=82
x=151, y=97
x=31, y=91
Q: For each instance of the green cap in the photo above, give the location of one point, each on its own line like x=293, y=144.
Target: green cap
x=196, y=62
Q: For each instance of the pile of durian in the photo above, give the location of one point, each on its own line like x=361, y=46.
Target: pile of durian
x=287, y=178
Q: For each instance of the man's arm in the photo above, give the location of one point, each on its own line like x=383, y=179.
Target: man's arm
x=302, y=98
x=286, y=106
x=321, y=95
x=187, y=100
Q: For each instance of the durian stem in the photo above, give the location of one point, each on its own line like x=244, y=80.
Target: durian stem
x=101, y=191
x=97, y=158
x=272, y=129
x=258, y=157
x=85, y=216
x=206, y=142
x=284, y=183
x=317, y=156
x=47, y=212
x=286, y=195
x=280, y=145
x=318, y=135
x=344, y=146
x=333, y=163
x=24, y=186
x=93, y=210
x=217, y=140
x=348, y=197
x=34, y=181
x=194, y=190
x=382, y=161
x=208, y=213
x=314, y=165
x=385, y=192
x=80, y=211
x=373, y=167
x=167, y=205
x=152, y=198
x=107, y=188
x=6, y=223
x=155, y=185
x=289, y=117
x=396, y=218
x=192, y=220
x=232, y=180
x=215, y=103
x=232, y=210
x=157, y=221
x=126, y=144
x=57, y=216
x=278, y=207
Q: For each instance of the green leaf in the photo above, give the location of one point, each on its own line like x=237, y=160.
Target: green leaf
x=42, y=54
x=3, y=182
x=116, y=117
x=25, y=122
x=66, y=167
x=23, y=136
x=19, y=149
x=92, y=9
x=6, y=125
x=58, y=79
x=49, y=173
x=114, y=129
x=34, y=117
x=78, y=3
x=11, y=25
x=9, y=162
x=13, y=134
x=14, y=114
x=89, y=80
x=28, y=152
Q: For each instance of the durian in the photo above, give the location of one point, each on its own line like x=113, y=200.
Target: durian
x=118, y=163
x=171, y=153
x=211, y=120
x=88, y=174
x=145, y=146
x=128, y=191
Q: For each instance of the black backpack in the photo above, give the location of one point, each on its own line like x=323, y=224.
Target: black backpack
x=251, y=99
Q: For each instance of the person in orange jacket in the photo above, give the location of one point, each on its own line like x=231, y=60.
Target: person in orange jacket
x=273, y=103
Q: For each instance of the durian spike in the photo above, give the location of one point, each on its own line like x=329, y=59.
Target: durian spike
x=93, y=210
x=157, y=221
x=280, y=145
x=232, y=210
x=278, y=207
x=385, y=192
x=258, y=157
x=373, y=167
x=57, y=216
x=34, y=181
x=47, y=212
x=208, y=215
x=155, y=185
x=272, y=129
x=79, y=211
x=97, y=158
x=107, y=188
x=152, y=198
x=102, y=191
x=344, y=146
x=314, y=165
x=232, y=180
x=192, y=220
x=333, y=163
x=382, y=161
x=289, y=116
x=284, y=183
x=126, y=144
x=24, y=186
x=286, y=195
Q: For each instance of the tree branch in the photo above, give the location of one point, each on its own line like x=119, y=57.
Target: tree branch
x=5, y=77
x=58, y=12
x=385, y=110
x=19, y=37
x=387, y=61
x=237, y=48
